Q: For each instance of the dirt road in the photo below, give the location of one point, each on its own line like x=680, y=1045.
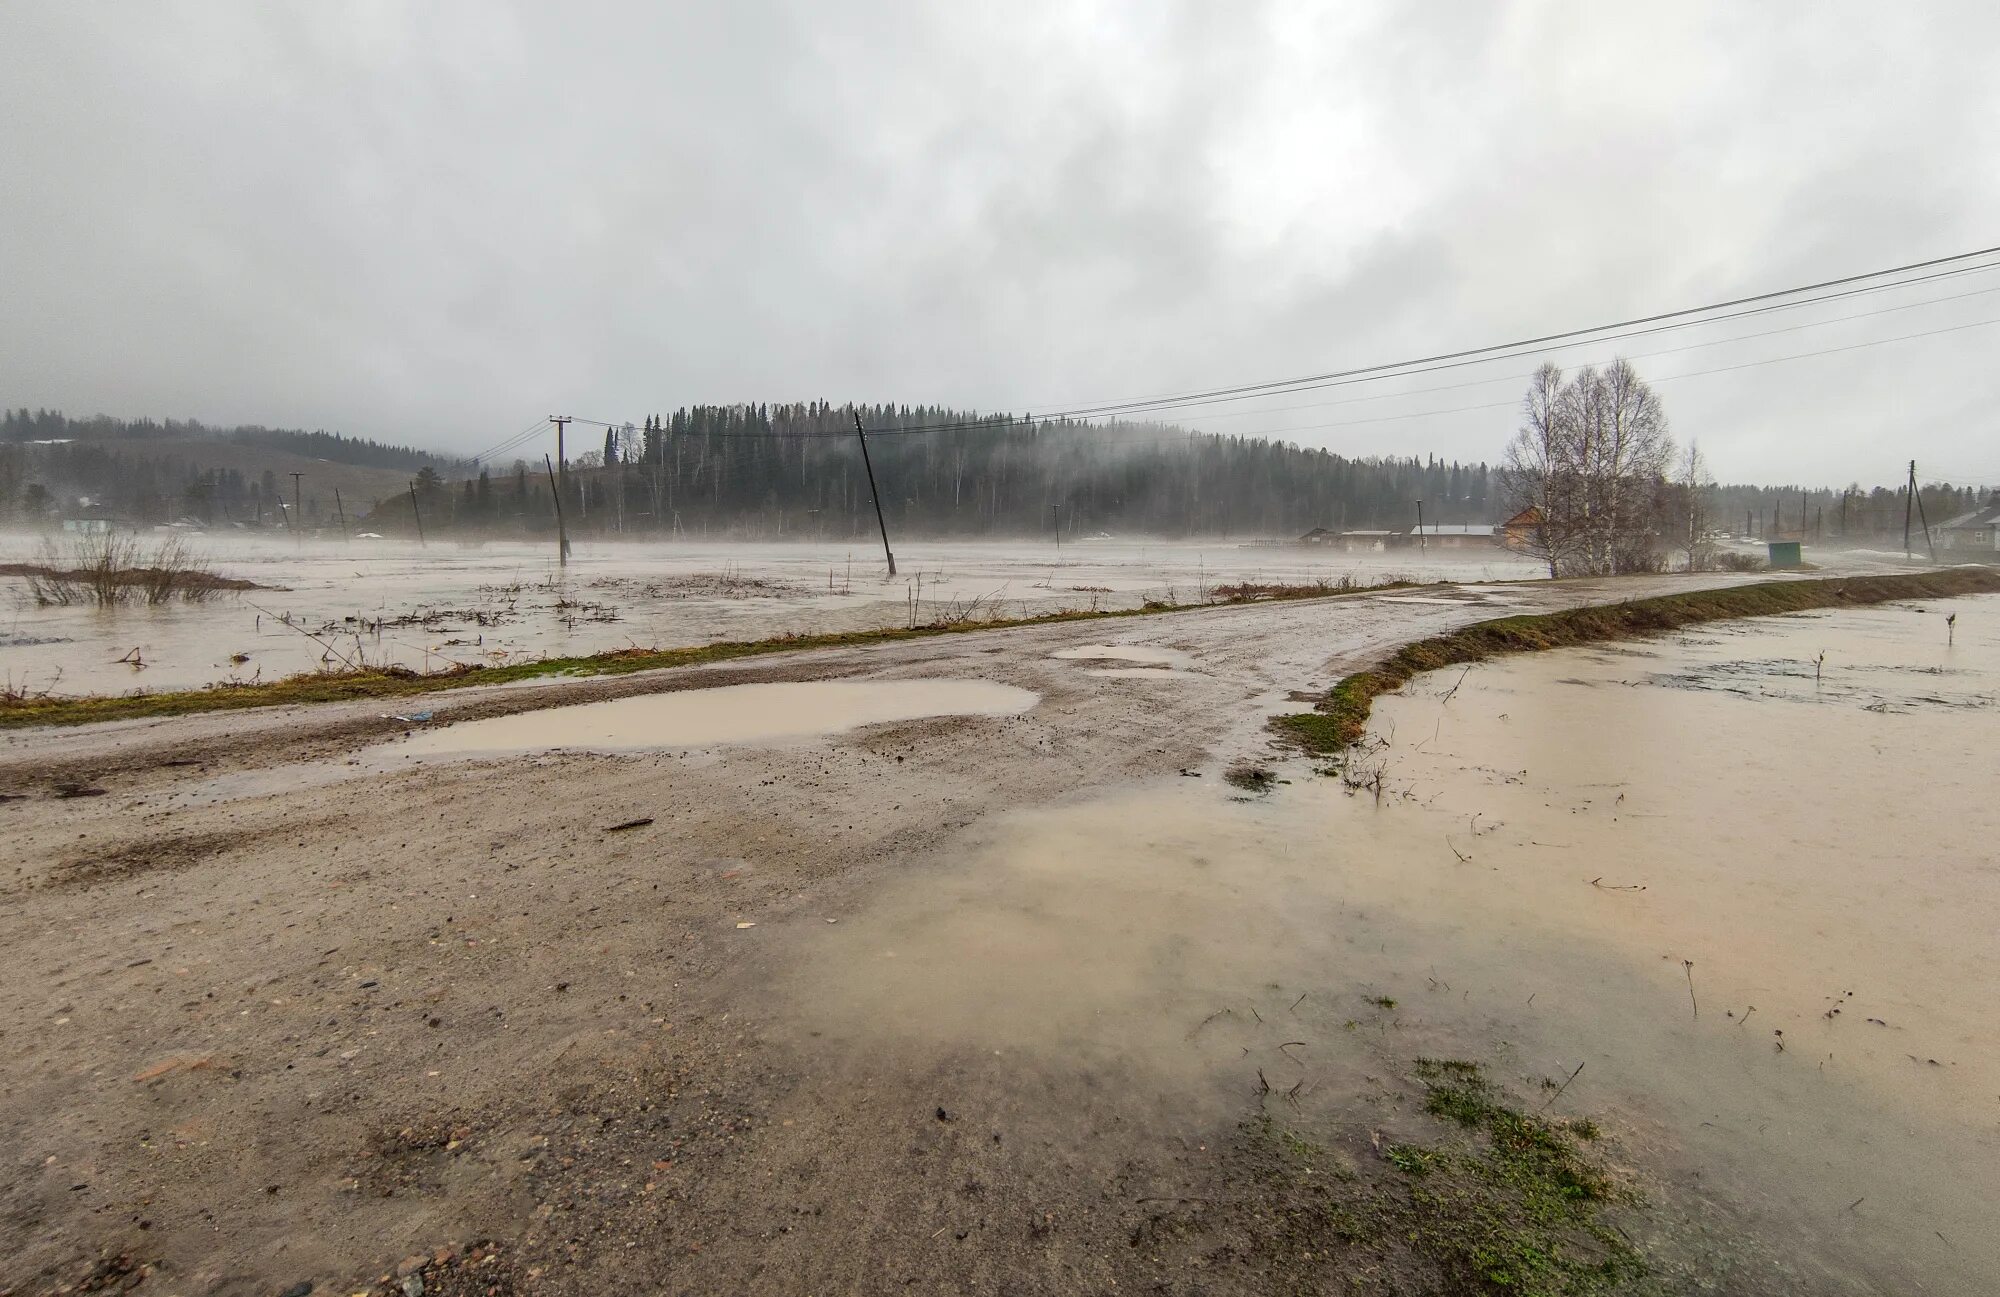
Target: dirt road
x=275, y=1014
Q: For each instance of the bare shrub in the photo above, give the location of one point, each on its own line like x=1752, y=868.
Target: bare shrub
x=110, y=569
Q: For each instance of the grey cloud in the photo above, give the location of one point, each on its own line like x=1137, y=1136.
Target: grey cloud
x=438, y=222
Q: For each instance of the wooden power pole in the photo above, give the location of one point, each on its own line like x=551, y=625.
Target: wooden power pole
x=1909, y=500
x=559, y=483
x=298, y=513
x=562, y=557
x=873, y=493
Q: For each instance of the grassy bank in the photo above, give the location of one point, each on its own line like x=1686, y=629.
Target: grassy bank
x=19, y=709
x=1341, y=718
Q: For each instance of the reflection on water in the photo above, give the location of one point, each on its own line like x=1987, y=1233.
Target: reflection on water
x=1765, y=928
x=732, y=714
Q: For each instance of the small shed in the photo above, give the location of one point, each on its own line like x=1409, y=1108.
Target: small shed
x=1785, y=553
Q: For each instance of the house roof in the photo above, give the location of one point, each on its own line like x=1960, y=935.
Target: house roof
x=1987, y=515
x=1454, y=529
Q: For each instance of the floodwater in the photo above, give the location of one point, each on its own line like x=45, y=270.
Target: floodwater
x=730, y=714
x=1145, y=655
x=387, y=602
x=1752, y=892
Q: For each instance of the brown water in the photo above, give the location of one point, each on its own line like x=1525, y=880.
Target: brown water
x=732, y=714
x=1599, y=857
x=1145, y=655
x=389, y=602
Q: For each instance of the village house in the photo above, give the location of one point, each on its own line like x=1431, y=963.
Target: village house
x=1971, y=535
x=1451, y=535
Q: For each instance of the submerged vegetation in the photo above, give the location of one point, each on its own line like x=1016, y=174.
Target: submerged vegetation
x=1340, y=720
x=353, y=679
x=1501, y=1200
x=110, y=569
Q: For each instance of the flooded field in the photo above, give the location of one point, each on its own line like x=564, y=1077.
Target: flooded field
x=732, y=714
x=1732, y=894
x=388, y=602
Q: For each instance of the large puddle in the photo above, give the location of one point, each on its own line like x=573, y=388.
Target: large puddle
x=1760, y=917
x=731, y=714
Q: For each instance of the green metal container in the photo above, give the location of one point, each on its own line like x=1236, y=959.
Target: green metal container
x=1785, y=553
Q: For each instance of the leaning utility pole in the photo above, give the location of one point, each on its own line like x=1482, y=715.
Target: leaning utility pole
x=298, y=513
x=1909, y=499
x=873, y=493
x=417, y=512
x=1924, y=522
x=559, y=482
x=1423, y=546
x=341, y=510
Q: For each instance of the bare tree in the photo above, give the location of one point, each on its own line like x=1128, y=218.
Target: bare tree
x=1588, y=466
x=1540, y=474
x=1631, y=454
x=1692, y=520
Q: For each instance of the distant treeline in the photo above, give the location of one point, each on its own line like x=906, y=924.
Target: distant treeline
x=24, y=425
x=1854, y=512
x=142, y=471
x=796, y=472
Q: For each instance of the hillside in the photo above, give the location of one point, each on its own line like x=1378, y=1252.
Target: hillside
x=152, y=472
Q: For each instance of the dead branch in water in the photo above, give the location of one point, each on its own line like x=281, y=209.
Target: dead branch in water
x=1688, y=964
x=1565, y=1085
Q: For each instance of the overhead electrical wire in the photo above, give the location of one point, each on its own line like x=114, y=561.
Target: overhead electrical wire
x=1688, y=317
x=1306, y=382
x=1642, y=355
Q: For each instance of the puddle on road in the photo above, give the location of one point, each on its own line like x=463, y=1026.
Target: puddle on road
x=1142, y=654
x=1143, y=673
x=731, y=714
x=1526, y=891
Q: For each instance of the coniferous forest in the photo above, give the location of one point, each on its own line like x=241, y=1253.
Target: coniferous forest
x=797, y=472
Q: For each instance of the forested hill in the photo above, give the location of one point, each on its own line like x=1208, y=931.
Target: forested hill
x=24, y=425
x=797, y=471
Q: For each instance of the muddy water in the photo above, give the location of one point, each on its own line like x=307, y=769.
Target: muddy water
x=392, y=602
x=732, y=714
x=1753, y=893
x=1145, y=655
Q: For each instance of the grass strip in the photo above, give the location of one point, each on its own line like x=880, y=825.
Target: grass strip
x=1340, y=720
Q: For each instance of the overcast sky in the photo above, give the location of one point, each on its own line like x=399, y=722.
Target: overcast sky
x=437, y=222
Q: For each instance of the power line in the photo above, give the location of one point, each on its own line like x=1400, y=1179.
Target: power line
x=1486, y=354
x=1528, y=346
x=1643, y=355
x=1669, y=378
x=518, y=439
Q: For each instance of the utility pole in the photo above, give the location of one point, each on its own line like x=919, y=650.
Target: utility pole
x=562, y=557
x=417, y=512
x=1055, y=512
x=298, y=514
x=1423, y=546
x=1909, y=498
x=559, y=483
x=1924, y=521
x=873, y=493
x=341, y=510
